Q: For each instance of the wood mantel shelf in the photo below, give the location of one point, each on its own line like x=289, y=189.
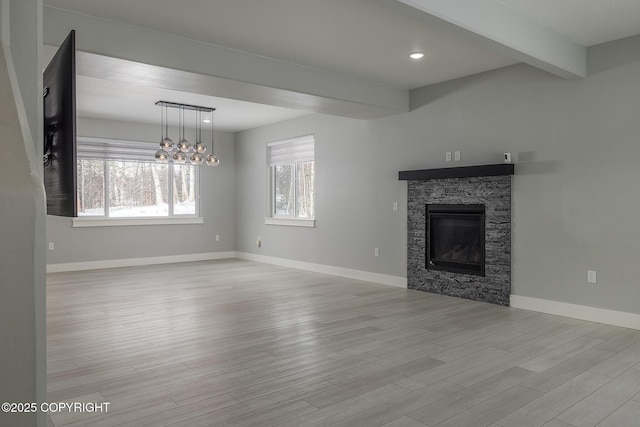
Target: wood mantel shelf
x=460, y=172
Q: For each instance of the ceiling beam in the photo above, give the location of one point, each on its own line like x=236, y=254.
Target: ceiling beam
x=138, y=55
x=132, y=72
x=495, y=24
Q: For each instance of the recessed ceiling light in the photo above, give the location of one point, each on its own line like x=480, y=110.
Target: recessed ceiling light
x=416, y=55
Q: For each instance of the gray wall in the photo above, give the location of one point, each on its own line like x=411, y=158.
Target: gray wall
x=575, y=204
x=26, y=50
x=22, y=209
x=356, y=185
x=107, y=243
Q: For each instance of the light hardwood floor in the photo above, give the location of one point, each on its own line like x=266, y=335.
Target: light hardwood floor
x=239, y=343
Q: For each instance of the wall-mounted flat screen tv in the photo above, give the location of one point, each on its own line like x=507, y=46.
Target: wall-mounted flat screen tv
x=60, y=131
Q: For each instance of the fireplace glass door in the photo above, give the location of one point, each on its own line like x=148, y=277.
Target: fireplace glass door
x=456, y=238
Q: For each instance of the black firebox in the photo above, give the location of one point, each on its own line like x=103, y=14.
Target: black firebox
x=455, y=238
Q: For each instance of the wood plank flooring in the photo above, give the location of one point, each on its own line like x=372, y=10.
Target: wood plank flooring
x=237, y=343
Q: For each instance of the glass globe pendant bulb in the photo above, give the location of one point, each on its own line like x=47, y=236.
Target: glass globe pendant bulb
x=162, y=156
x=212, y=160
x=179, y=157
x=200, y=148
x=197, y=158
x=184, y=146
x=166, y=144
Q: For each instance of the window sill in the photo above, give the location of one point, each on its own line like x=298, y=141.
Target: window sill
x=116, y=222
x=291, y=222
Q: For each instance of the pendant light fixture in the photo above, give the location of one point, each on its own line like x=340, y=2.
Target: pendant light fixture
x=183, y=150
x=166, y=144
x=198, y=149
x=212, y=159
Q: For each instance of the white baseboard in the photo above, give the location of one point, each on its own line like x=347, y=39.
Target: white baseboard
x=384, y=279
x=400, y=282
x=132, y=262
x=582, y=312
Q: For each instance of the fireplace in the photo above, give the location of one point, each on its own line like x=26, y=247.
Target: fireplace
x=455, y=238
x=448, y=211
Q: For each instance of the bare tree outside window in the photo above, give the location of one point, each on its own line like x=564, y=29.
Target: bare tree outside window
x=184, y=189
x=283, y=190
x=293, y=192
x=304, y=187
x=126, y=189
x=91, y=187
x=292, y=163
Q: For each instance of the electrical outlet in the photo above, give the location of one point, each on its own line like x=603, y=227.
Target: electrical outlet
x=217, y=237
x=447, y=156
x=51, y=246
x=591, y=277
x=395, y=206
x=259, y=242
x=456, y=156
x=376, y=252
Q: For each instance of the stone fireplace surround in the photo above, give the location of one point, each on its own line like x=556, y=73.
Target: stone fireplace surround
x=489, y=185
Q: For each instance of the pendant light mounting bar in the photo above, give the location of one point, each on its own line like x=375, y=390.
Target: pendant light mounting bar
x=185, y=106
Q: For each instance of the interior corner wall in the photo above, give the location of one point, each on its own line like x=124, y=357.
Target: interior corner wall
x=77, y=245
x=19, y=275
x=575, y=204
x=22, y=209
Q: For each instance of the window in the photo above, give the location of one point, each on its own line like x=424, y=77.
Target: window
x=292, y=180
x=121, y=179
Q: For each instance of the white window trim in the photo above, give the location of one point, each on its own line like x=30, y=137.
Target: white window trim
x=111, y=222
x=106, y=221
x=291, y=222
x=271, y=218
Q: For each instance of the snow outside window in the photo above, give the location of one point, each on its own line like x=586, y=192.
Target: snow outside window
x=292, y=178
x=120, y=179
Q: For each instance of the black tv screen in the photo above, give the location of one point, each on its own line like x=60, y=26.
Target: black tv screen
x=60, y=131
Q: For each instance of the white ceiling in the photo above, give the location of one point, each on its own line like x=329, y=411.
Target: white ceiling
x=370, y=39
x=587, y=22
x=112, y=100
